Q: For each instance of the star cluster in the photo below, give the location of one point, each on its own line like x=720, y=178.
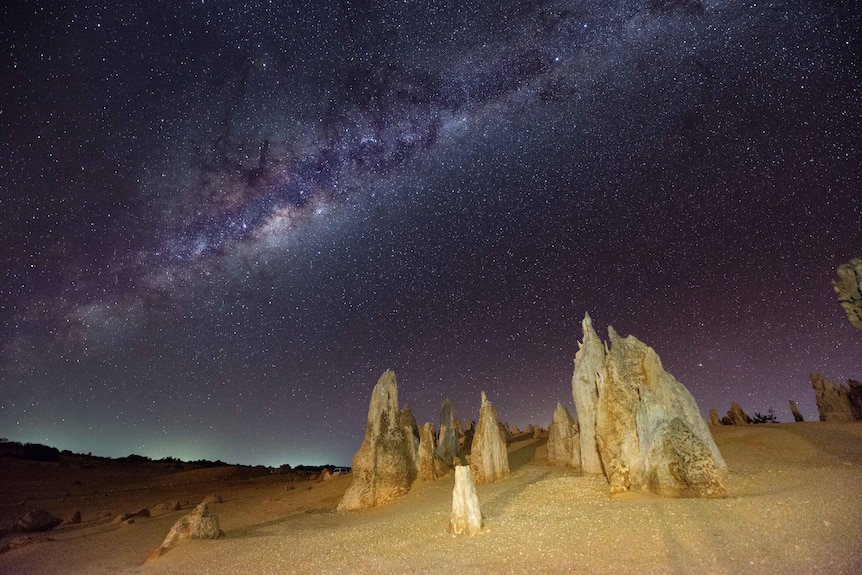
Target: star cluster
x=223, y=220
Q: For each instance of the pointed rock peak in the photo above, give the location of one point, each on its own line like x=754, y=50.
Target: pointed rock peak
x=587, y=321
x=384, y=399
x=484, y=399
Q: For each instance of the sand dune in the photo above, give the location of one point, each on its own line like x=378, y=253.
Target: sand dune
x=794, y=508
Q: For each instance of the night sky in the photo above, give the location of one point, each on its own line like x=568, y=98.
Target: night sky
x=221, y=221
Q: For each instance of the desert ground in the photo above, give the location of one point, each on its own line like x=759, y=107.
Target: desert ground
x=795, y=506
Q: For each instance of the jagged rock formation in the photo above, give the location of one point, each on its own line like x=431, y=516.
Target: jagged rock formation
x=589, y=362
x=466, y=516
x=648, y=429
x=411, y=434
x=794, y=409
x=564, y=439
x=489, y=459
x=199, y=524
x=736, y=416
x=447, y=440
x=834, y=401
x=430, y=465
x=384, y=467
x=849, y=290
x=713, y=417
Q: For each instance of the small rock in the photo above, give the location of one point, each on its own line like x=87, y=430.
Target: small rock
x=36, y=521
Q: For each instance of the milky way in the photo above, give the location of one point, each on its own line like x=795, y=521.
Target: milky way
x=222, y=222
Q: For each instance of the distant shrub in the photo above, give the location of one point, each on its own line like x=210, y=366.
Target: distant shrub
x=761, y=418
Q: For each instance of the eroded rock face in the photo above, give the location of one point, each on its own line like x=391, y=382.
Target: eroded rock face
x=466, y=515
x=384, y=467
x=849, y=290
x=833, y=401
x=648, y=429
x=589, y=363
x=489, y=459
x=564, y=439
x=430, y=466
x=447, y=440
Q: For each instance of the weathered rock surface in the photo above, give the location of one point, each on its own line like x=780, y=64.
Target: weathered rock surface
x=36, y=521
x=447, y=440
x=713, y=417
x=564, y=439
x=649, y=431
x=489, y=459
x=849, y=290
x=411, y=433
x=199, y=524
x=589, y=361
x=736, y=415
x=430, y=466
x=794, y=409
x=833, y=401
x=384, y=467
x=466, y=515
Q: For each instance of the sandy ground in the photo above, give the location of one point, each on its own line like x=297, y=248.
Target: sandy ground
x=795, y=507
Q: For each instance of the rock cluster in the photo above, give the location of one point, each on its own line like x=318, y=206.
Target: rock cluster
x=385, y=465
x=648, y=433
x=837, y=402
x=489, y=459
x=466, y=515
x=849, y=290
x=564, y=439
x=736, y=416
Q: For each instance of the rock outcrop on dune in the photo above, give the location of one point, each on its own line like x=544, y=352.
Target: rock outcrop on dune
x=714, y=419
x=466, y=515
x=384, y=467
x=489, y=459
x=589, y=362
x=564, y=439
x=199, y=524
x=797, y=415
x=836, y=402
x=849, y=290
x=736, y=416
x=447, y=440
x=648, y=430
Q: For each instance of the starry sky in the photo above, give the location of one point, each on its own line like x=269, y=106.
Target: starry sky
x=221, y=221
